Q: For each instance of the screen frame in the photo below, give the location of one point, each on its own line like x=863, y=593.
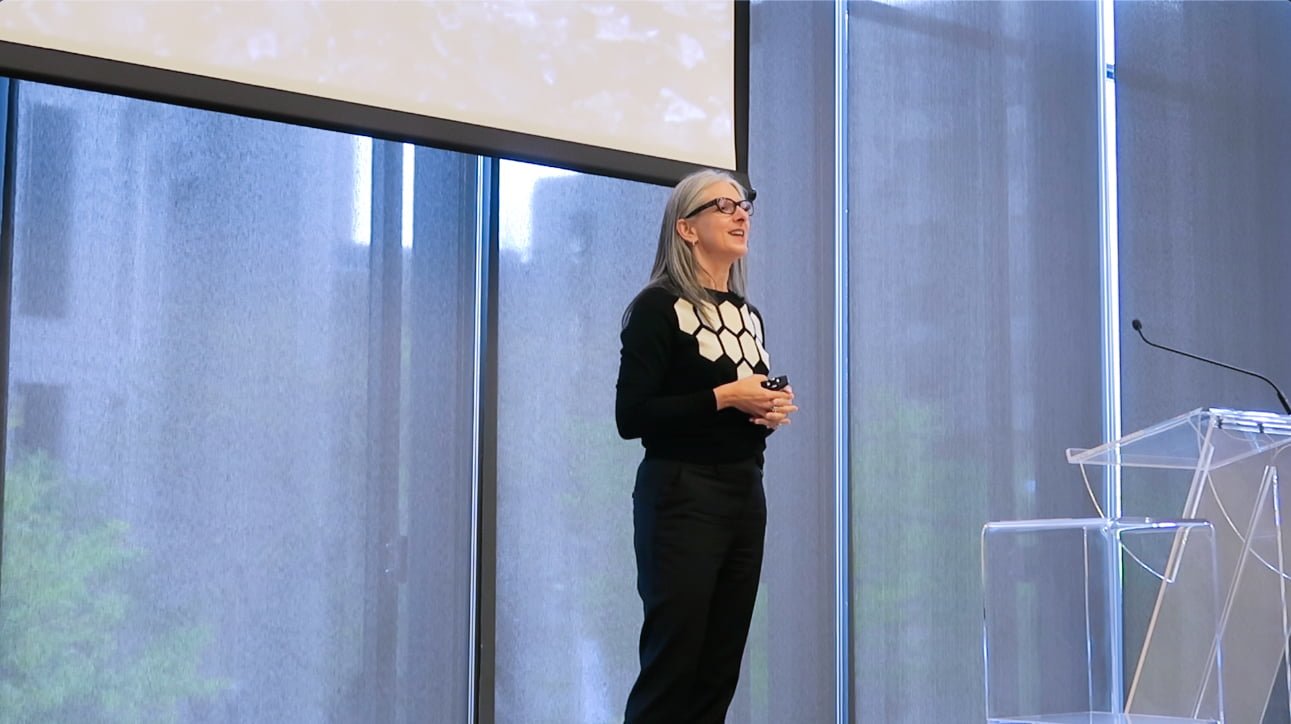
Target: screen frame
x=26, y=62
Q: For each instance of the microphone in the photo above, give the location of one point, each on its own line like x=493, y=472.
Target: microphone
x=1138, y=327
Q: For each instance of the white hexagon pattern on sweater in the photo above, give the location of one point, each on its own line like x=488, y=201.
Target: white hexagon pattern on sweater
x=738, y=334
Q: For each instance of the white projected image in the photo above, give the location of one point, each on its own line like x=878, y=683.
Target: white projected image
x=654, y=78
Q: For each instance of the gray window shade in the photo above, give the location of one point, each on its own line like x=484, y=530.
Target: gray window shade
x=789, y=669
x=260, y=509
x=1204, y=162
x=1204, y=169
x=565, y=569
x=50, y=134
x=974, y=350
x=574, y=251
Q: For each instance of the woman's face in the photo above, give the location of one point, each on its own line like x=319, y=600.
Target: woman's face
x=715, y=235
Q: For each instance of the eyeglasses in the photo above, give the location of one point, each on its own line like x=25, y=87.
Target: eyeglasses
x=724, y=205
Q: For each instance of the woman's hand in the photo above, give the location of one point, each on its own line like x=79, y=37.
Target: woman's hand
x=770, y=408
x=780, y=411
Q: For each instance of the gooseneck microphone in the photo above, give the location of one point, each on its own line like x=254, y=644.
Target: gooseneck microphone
x=1138, y=327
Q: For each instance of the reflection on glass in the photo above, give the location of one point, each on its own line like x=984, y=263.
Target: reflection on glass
x=202, y=504
x=575, y=249
x=973, y=144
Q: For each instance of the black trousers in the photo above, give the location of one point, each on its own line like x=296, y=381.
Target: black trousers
x=699, y=531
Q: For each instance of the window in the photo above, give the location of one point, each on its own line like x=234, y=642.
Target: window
x=260, y=508
x=43, y=287
x=973, y=213
x=566, y=577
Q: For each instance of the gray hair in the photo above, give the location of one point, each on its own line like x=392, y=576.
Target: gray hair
x=675, y=268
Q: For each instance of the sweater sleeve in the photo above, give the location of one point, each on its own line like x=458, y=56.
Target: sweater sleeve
x=762, y=328
x=641, y=407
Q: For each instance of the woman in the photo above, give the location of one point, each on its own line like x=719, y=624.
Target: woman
x=690, y=386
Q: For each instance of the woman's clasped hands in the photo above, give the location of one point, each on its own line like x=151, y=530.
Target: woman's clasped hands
x=768, y=408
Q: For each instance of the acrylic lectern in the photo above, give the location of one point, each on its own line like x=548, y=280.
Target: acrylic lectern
x=1055, y=627
x=1173, y=607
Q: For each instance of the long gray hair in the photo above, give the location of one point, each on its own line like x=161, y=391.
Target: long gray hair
x=675, y=268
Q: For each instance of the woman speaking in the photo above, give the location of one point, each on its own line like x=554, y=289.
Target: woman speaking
x=693, y=387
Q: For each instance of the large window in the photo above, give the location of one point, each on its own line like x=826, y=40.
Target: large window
x=574, y=251
x=291, y=425
x=1204, y=165
x=790, y=665
x=1204, y=171
x=238, y=482
x=974, y=306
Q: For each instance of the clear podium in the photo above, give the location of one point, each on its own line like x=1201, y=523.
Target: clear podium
x=1172, y=607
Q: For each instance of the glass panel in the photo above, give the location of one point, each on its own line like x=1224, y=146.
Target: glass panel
x=575, y=249
x=974, y=277
x=789, y=668
x=238, y=475
x=566, y=573
x=1204, y=167
x=1174, y=674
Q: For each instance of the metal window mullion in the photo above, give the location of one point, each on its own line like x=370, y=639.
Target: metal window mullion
x=484, y=442
x=8, y=121
x=1110, y=299
x=842, y=479
x=384, y=369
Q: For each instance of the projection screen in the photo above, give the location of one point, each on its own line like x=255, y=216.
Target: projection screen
x=638, y=89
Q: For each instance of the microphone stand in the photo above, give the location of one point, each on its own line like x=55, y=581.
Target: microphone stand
x=1138, y=327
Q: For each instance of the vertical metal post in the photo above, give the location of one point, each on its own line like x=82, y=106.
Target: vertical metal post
x=1111, y=363
x=484, y=441
x=8, y=121
x=385, y=296
x=842, y=436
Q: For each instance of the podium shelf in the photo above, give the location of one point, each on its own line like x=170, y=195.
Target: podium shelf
x=1178, y=443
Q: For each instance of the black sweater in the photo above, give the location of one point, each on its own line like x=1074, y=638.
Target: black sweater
x=672, y=358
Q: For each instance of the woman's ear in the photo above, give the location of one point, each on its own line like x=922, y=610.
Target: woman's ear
x=687, y=232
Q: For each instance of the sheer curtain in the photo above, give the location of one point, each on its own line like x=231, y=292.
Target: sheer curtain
x=222, y=427
x=1204, y=166
x=973, y=210
x=574, y=250
x=1204, y=170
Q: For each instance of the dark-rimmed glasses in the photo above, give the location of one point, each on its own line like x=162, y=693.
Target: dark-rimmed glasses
x=724, y=205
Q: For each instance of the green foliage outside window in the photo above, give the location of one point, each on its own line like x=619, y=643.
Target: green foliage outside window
x=74, y=641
